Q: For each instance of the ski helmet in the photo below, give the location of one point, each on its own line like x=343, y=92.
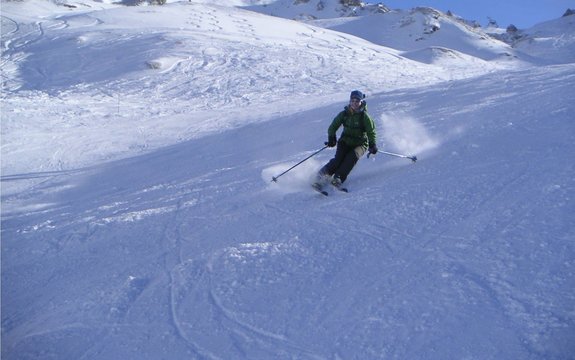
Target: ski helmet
x=356, y=94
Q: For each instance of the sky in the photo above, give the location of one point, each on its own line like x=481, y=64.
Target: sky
x=521, y=13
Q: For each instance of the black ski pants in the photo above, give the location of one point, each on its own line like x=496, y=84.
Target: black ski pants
x=344, y=160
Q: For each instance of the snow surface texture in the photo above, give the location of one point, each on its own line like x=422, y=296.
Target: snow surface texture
x=139, y=220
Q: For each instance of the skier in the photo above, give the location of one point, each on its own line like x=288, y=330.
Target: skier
x=358, y=136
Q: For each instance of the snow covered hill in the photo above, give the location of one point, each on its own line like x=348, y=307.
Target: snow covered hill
x=139, y=220
x=425, y=30
x=422, y=28
x=310, y=10
x=549, y=41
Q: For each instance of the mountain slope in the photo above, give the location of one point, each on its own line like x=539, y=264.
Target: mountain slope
x=466, y=252
x=194, y=67
x=146, y=226
x=551, y=41
x=309, y=10
x=424, y=30
x=411, y=30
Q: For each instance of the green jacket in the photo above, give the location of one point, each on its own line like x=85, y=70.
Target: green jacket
x=358, y=128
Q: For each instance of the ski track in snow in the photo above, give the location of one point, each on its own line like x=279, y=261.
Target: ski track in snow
x=140, y=228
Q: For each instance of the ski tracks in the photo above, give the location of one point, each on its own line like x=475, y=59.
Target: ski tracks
x=222, y=285
x=211, y=289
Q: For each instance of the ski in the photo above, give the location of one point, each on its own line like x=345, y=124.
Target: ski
x=317, y=187
x=339, y=188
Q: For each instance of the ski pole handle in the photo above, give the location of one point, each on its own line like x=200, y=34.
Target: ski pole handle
x=412, y=158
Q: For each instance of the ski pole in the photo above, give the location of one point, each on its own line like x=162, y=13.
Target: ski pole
x=275, y=178
x=412, y=158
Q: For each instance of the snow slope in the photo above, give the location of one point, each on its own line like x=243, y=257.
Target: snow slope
x=139, y=220
x=426, y=32
x=204, y=58
x=309, y=10
x=542, y=41
x=421, y=28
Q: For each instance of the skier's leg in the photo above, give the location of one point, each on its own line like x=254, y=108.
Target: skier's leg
x=348, y=162
x=340, y=154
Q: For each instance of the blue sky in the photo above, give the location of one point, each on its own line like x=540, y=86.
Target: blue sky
x=521, y=13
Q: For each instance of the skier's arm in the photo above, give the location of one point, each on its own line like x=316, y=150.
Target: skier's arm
x=335, y=124
x=370, y=130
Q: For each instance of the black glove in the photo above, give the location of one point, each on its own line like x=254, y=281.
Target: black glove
x=373, y=149
x=332, y=141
